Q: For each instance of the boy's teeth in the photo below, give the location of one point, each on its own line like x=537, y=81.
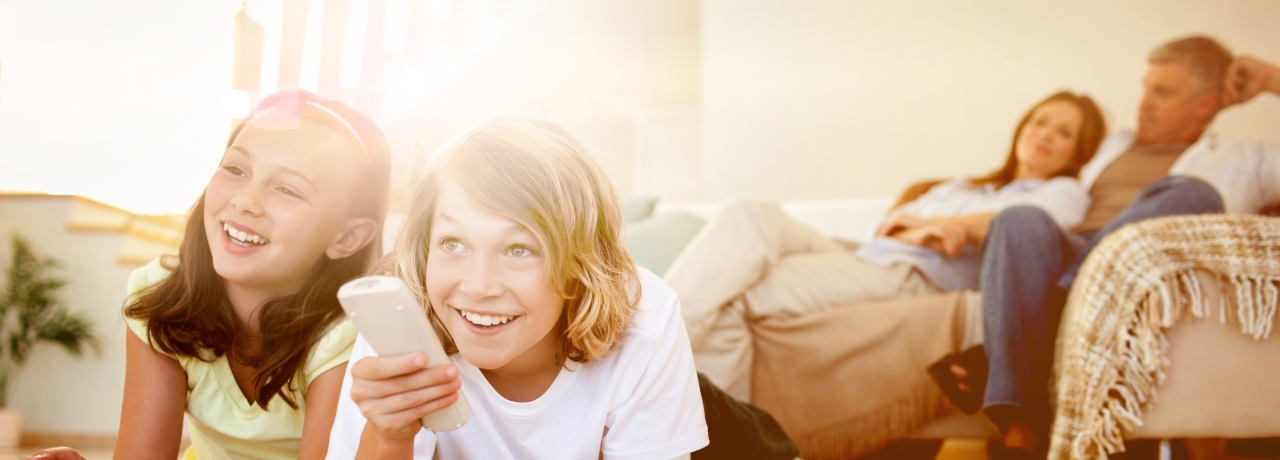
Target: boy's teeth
x=485, y=320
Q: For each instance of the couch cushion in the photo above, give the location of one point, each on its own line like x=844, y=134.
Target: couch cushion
x=850, y=219
x=638, y=208
x=655, y=242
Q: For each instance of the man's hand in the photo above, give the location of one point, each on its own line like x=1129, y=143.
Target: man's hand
x=1246, y=77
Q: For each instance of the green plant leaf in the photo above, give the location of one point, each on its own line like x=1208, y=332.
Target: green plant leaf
x=32, y=313
x=73, y=332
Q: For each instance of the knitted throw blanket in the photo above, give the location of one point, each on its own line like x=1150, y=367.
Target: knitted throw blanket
x=1135, y=284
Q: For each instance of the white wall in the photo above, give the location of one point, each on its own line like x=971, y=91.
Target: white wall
x=57, y=393
x=126, y=102
x=123, y=101
x=622, y=76
x=826, y=99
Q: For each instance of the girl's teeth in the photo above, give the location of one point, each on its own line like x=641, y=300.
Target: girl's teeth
x=243, y=236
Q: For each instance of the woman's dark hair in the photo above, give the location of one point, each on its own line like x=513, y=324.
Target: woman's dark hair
x=188, y=313
x=1093, y=129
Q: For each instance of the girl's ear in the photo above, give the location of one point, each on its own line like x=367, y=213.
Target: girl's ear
x=356, y=234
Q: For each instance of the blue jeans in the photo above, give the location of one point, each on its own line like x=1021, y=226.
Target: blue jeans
x=1025, y=256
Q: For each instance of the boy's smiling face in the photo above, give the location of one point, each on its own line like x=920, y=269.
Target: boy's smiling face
x=488, y=283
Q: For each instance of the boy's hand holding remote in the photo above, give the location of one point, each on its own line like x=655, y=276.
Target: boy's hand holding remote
x=395, y=392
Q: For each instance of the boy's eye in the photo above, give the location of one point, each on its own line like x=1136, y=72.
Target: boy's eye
x=286, y=191
x=452, y=245
x=520, y=251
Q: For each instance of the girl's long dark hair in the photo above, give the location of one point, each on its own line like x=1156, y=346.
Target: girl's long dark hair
x=188, y=313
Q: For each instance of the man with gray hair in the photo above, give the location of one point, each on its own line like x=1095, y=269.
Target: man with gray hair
x=1170, y=166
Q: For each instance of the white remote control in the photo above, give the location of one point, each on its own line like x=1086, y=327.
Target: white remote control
x=394, y=323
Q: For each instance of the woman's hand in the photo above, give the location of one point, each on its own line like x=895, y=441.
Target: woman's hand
x=944, y=236
x=900, y=222
x=395, y=392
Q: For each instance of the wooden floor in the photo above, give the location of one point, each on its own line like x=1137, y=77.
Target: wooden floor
x=963, y=449
x=952, y=449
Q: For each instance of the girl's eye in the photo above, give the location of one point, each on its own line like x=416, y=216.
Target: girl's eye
x=452, y=245
x=520, y=251
x=234, y=170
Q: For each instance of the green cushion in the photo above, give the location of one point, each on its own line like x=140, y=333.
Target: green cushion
x=638, y=208
x=655, y=242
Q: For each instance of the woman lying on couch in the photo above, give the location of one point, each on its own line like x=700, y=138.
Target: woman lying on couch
x=752, y=256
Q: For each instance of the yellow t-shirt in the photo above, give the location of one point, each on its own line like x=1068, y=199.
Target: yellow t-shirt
x=223, y=425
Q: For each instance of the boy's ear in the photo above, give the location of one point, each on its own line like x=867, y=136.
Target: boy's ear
x=356, y=234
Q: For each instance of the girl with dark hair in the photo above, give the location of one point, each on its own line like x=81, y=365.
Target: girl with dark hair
x=243, y=331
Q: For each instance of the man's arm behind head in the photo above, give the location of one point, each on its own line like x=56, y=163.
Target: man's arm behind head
x=1247, y=77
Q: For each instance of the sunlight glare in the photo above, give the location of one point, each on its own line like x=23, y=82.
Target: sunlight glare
x=353, y=45
x=238, y=104
x=269, y=14
x=397, y=27
x=309, y=78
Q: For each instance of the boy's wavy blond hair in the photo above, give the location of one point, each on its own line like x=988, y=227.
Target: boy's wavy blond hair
x=536, y=174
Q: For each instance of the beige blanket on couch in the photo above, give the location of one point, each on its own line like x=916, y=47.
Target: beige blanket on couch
x=848, y=380
x=1135, y=284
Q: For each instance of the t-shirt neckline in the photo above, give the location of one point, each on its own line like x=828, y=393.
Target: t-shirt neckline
x=513, y=408
x=231, y=390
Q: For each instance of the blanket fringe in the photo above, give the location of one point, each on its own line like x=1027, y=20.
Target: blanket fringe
x=1142, y=353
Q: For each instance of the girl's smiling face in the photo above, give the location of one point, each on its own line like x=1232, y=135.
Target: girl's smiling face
x=488, y=283
x=279, y=202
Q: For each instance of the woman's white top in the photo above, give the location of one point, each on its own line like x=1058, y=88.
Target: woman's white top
x=640, y=402
x=1064, y=199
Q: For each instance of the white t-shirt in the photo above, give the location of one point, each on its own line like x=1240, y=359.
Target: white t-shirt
x=641, y=402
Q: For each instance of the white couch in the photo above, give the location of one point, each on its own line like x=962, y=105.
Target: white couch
x=1200, y=399
x=854, y=220
x=847, y=220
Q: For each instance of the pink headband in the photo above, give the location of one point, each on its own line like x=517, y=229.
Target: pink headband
x=340, y=119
